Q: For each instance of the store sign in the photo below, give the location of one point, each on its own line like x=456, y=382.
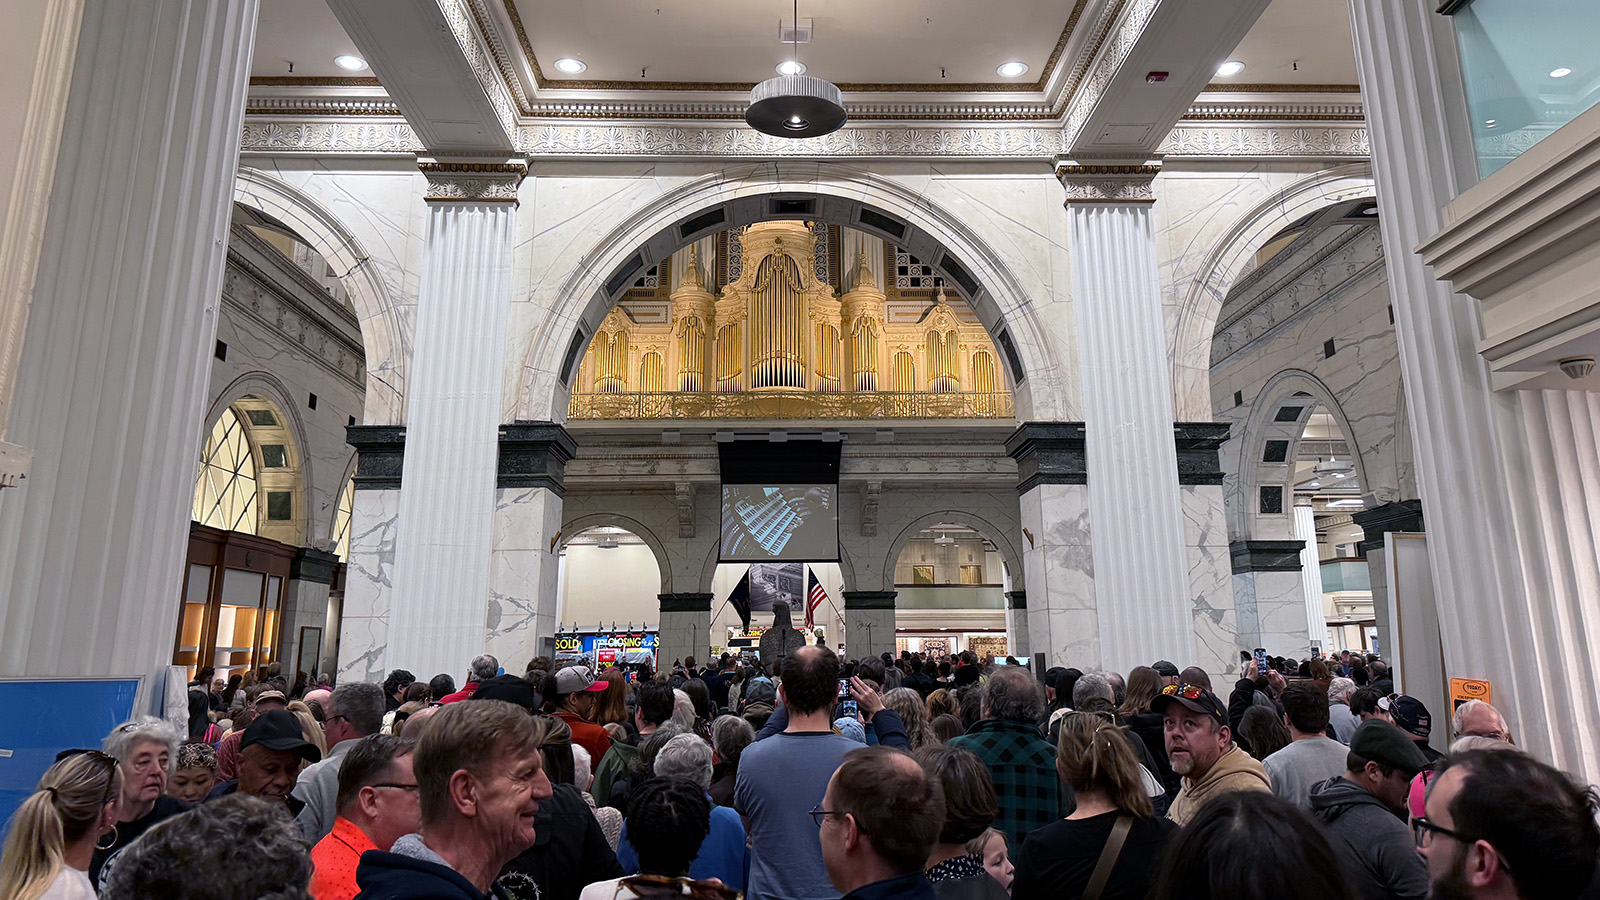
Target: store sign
x=1464, y=689
x=608, y=648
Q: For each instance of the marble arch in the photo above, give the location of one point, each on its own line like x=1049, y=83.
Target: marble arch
x=383, y=337
x=1001, y=538
x=268, y=387
x=1259, y=427
x=1202, y=305
x=575, y=527
x=817, y=191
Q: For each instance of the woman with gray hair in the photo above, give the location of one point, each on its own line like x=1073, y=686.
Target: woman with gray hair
x=146, y=750
x=729, y=736
x=687, y=758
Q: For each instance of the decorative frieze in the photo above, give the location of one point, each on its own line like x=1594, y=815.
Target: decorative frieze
x=683, y=493
x=380, y=455
x=534, y=454
x=1199, y=445
x=1108, y=184
x=472, y=181
x=871, y=494
x=869, y=599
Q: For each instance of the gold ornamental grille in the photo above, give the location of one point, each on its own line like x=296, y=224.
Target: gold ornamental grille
x=770, y=404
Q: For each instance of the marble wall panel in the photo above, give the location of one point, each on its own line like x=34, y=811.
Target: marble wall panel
x=520, y=619
x=305, y=605
x=868, y=632
x=364, y=629
x=1272, y=612
x=1216, y=628
x=1063, y=622
x=685, y=633
x=651, y=511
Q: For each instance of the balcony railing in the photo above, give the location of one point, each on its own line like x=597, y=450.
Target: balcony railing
x=765, y=404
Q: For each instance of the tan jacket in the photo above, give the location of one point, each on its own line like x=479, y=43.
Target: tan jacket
x=1236, y=770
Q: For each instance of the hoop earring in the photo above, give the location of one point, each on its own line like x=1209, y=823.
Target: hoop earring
x=113, y=843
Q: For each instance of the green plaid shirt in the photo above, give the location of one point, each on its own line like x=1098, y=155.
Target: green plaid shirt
x=1022, y=765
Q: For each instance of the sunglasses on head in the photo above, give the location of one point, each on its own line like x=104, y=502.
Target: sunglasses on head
x=1186, y=691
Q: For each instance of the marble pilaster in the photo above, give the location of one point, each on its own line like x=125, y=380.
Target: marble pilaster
x=1142, y=587
x=524, y=564
x=1205, y=538
x=1305, y=530
x=445, y=537
x=1057, y=552
x=1269, y=598
x=1017, y=624
x=110, y=385
x=685, y=628
x=1377, y=523
x=305, y=605
x=868, y=623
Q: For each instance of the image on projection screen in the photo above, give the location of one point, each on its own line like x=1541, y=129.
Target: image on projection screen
x=780, y=522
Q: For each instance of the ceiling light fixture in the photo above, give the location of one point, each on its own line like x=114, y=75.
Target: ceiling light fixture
x=796, y=106
x=791, y=67
x=1490, y=123
x=350, y=63
x=1230, y=68
x=1560, y=73
x=1012, y=69
x=571, y=66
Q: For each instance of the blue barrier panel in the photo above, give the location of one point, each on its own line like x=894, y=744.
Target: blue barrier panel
x=46, y=716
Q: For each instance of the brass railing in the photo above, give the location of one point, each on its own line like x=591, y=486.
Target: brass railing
x=793, y=405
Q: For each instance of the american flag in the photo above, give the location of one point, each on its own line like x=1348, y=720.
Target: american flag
x=814, y=597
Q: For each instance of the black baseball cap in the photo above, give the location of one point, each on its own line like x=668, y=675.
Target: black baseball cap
x=1411, y=716
x=1165, y=669
x=278, y=729
x=1193, y=698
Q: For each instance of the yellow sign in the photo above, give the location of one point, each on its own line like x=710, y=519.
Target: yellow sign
x=1464, y=689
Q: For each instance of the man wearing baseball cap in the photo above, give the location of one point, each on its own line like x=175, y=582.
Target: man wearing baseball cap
x=1360, y=814
x=1200, y=747
x=576, y=693
x=270, y=754
x=1412, y=717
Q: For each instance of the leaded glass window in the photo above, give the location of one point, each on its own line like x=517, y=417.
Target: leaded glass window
x=225, y=493
x=341, y=520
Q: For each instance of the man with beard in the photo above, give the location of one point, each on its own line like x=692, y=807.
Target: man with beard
x=1200, y=747
x=1503, y=826
x=1360, y=813
x=270, y=755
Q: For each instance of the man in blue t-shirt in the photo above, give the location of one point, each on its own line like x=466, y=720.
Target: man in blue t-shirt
x=781, y=779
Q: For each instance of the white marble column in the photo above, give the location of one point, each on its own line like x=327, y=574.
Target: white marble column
x=112, y=378
x=868, y=623
x=1205, y=538
x=1305, y=529
x=1141, y=567
x=444, y=538
x=1506, y=477
x=1268, y=597
x=1017, y=624
x=1057, y=550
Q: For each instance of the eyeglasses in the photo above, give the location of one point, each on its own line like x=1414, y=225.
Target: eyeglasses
x=820, y=815
x=1421, y=829
x=335, y=719
x=403, y=787
x=1187, y=691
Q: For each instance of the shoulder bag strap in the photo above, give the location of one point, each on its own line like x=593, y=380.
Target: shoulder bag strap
x=1108, y=858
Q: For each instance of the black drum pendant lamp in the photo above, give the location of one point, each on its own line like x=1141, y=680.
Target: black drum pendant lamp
x=796, y=106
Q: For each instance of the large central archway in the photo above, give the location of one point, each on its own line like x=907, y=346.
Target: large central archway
x=1040, y=367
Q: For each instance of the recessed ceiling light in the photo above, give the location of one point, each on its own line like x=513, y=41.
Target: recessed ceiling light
x=1490, y=123
x=791, y=67
x=1230, y=68
x=1012, y=69
x=571, y=66
x=352, y=63
x=1560, y=73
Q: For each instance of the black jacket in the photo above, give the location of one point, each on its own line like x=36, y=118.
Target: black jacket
x=569, y=849
x=390, y=876
x=1152, y=733
x=1374, y=846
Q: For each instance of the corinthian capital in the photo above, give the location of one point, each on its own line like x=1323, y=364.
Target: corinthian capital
x=1103, y=183
x=479, y=180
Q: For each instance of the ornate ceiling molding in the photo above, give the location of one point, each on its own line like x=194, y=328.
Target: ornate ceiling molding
x=1108, y=184
x=391, y=136
x=1106, y=65
x=473, y=44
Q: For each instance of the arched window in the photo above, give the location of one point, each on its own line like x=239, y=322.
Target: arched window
x=341, y=520
x=225, y=493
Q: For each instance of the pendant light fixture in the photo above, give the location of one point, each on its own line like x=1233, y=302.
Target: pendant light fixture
x=796, y=106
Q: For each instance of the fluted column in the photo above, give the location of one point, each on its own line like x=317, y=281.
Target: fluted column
x=1305, y=529
x=115, y=361
x=1140, y=566
x=447, y=495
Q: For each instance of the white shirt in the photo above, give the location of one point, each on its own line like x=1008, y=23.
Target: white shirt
x=69, y=884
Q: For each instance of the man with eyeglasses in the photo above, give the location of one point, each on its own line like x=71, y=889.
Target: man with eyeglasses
x=354, y=711
x=377, y=805
x=1361, y=813
x=878, y=822
x=1501, y=824
x=1200, y=747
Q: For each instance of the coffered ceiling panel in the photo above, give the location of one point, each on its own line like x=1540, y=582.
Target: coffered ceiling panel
x=1298, y=42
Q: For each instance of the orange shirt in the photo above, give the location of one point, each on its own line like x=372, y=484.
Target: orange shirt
x=587, y=735
x=334, y=860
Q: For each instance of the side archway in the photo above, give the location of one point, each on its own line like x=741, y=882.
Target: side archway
x=1202, y=305
x=1038, y=368
x=1001, y=537
x=383, y=337
x=577, y=526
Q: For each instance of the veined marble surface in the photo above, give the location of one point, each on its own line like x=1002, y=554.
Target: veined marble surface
x=522, y=574
x=364, y=629
x=1272, y=612
x=868, y=632
x=1216, y=627
x=1063, y=621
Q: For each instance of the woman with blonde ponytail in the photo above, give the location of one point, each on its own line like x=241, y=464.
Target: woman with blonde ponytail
x=1110, y=847
x=54, y=832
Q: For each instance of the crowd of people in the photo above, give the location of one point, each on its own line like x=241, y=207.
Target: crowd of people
x=877, y=779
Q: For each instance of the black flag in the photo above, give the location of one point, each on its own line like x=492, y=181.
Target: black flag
x=740, y=598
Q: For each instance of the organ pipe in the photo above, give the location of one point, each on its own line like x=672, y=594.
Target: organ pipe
x=730, y=352
x=828, y=377
x=610, y=362
x=903, y=373
x=777, y=325
x=864, y=353
x=984, y=375
x=944, y=361
x=651, y=373
x=691, y=355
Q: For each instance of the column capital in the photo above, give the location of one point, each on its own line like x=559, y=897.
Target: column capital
x=1017, y=599
x=869, y=599
x=1199, y=445
x=380, y=455
x=1265, y=556
x=1401, y=515
x=1108, y=182
x=459, y=179
x=310, y=564
x=535, y=454
x=1048, y=453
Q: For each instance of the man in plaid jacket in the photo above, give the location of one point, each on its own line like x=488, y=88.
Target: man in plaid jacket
x=1021, y=762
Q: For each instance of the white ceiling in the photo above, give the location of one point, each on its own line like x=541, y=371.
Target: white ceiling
x=855, y=42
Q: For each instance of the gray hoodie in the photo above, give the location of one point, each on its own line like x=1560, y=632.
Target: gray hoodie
x=1375, y=848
